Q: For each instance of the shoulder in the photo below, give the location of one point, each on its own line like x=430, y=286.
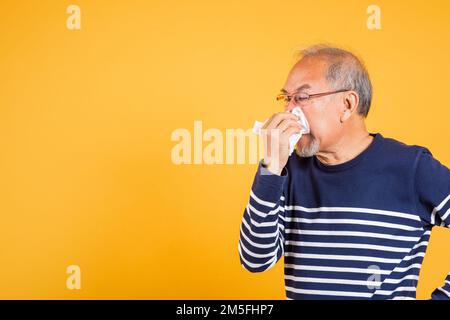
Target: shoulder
x=413, y=157
x=393, y=148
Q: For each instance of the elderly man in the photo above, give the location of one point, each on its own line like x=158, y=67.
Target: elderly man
x=351, y=211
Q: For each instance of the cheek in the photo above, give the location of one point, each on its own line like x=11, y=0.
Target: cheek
x=318, y=123
x=323, y=126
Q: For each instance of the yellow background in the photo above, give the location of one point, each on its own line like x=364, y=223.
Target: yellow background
x=86, y=176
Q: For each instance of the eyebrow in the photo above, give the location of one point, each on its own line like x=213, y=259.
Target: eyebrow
x=302, y=87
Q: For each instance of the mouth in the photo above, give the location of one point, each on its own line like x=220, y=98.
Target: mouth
x=306, y=138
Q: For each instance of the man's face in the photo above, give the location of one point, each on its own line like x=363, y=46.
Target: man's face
x=322, y=113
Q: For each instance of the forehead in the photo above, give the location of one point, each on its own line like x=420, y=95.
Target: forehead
x=308, y=73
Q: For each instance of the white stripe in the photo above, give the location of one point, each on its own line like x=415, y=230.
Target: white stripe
x=336, y=269
x=420, y=244
x=439, y=207
x=398, y=269
x=352, y=234
x=256, y=245
x=347, y=245
x=259, y=235
x=396, y=281
x=355, y=209
x=447, y=282
x=403, y=298
x=356, y=258
x=260, y=224
x=447, y=213
x=341, y=257
x=388, y=293
x=354, y=221
x=260, y=201
x=330, y=293
x=336, y=281
x=257, y=265
x=419, y=254
x=264, y=214
x=444, y=291
x=258, y=255
x=442, y=204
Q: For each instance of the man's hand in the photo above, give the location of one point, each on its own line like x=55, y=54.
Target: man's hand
x=275, y=133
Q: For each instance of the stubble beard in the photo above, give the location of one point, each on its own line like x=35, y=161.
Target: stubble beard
x=308, y=150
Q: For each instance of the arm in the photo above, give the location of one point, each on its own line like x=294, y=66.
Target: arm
x=432, y=185
x=261, y=241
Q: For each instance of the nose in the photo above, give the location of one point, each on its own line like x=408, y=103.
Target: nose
x=291, y=105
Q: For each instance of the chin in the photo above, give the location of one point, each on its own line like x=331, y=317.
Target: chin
x=307, y=146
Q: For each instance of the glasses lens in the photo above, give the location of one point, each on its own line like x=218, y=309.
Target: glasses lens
x=300, y=97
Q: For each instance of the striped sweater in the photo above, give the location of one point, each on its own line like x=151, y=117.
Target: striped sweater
x=356, y=230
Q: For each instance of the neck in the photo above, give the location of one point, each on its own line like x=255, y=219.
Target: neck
x=349, y=146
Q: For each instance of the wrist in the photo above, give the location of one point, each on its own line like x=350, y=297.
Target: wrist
x=272, y=169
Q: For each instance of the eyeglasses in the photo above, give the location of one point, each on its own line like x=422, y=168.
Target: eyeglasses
x=302, y=97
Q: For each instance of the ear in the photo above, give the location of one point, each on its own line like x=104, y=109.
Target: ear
x=350, y=101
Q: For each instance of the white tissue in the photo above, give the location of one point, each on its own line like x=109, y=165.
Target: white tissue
x=295, y=137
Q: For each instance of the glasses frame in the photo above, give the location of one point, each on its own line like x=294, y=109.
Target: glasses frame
x=288, y=97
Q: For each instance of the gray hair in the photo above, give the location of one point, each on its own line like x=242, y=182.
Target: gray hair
x=345, y=71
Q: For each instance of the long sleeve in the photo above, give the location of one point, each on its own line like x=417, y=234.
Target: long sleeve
x=433, y=194
x=432, y=185
x=261, y=241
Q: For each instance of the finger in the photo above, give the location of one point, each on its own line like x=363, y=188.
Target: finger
x=278, y=117
x=268, y=121
x=286, y=123
x=289, y=132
